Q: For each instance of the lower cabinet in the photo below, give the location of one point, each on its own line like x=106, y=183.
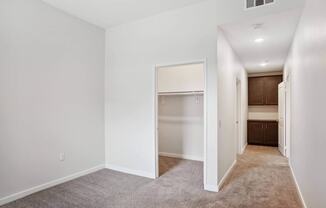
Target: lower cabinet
x=263, y=133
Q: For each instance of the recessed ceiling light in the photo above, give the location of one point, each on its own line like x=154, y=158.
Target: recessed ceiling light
x=265, y=63
x=259, y=40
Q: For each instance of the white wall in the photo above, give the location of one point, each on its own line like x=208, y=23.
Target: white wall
x=306, y=66
x=52, y=95
x=231, y=11
x=181, y=126
x=181, y=78
x=229, y=70
x=266, y=112
x=133, y=49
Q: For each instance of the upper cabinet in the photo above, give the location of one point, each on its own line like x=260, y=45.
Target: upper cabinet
x=256, y=91
x=182, y=78
x=263, y=90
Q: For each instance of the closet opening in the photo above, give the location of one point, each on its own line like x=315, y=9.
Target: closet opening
x=180, y=120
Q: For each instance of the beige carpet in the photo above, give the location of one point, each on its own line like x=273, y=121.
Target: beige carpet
x=260, y=179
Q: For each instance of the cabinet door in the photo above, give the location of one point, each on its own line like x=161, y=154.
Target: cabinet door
x=271, y=134
x=271, y=89
x=256, y=91
x=255, y=132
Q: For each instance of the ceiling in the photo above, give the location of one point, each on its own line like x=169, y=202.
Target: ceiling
x=265, y=48
x=107, y=13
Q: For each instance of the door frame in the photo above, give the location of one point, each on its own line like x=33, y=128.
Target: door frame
x=156, y=153
x=282, y=87
x=238, y=117
x=287, y=116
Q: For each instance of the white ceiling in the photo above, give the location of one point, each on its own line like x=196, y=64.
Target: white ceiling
x=107, y=13
x=277, y=31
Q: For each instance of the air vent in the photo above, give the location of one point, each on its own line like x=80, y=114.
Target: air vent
x=256, y=3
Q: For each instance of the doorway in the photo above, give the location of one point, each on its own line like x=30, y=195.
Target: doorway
x=180, y=109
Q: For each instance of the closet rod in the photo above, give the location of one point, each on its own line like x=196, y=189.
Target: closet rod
x=182, y=93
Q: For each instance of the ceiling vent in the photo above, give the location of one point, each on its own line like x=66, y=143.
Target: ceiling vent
x=257, y=3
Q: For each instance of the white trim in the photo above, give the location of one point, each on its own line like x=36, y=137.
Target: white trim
x=155, y=67
x=180, y=119
x=226, y=175
x=47, y=185
x=244, y=148
x=282, y=106
x=211, y=188
x=287, y=120
x=130, y=171
x=205, y=121
x=156, y=97
x=238, y=116
x=198, y=61
x=182, y=156
x=106, y=106
x=298, y=187
x=181, y=93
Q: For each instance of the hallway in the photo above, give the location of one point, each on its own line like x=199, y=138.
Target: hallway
x=261, y=179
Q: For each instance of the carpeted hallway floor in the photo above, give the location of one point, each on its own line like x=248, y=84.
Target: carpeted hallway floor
x=260, y=179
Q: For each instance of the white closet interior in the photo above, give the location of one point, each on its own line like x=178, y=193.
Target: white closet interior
x=181, y=111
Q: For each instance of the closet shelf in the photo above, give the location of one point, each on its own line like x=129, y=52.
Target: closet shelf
x=184, y=119
x=182, y=93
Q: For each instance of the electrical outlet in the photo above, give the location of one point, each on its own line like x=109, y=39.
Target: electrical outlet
x=62, y=156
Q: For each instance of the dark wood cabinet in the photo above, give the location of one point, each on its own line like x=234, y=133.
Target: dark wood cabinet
x=263, y=133
x=256, y=91
x=255, y=132
x=263, y=90
x=271, y=133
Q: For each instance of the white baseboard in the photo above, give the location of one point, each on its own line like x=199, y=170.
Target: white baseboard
x=182, y=156
x=244, y=148
x=226, y=175
x=130, y=171
x=47, y=185
x=211, y=188
x=298, y=188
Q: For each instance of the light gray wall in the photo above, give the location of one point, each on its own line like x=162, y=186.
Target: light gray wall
x=229, y=70
x=133, y=49
x=306, y=67
x=51, y=95
x=181, y=126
